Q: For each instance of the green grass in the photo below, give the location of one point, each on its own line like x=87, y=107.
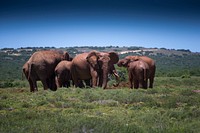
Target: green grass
x=171, y=106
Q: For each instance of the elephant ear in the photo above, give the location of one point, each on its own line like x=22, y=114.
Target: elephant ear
x=92, y=58
x=66, y=56
x=114, y=58
x=70, y=58
x=125, y=62
x=136, y=58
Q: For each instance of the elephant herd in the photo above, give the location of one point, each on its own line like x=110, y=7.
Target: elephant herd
x=56, y=69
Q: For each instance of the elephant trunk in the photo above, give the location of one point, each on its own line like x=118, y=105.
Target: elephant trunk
x=117, y=79
x=105, y=78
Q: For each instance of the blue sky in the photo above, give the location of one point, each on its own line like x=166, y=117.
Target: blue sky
x=147, y=23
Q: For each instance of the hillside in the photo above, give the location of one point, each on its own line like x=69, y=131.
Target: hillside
x=170, y=62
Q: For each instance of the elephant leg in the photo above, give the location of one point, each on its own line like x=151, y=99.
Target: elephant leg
x=80, y=84
x=31, y=86
x=74, y=76
x=57, y=82
x=141, y=82
x=45, y=85
x=151, y=77
x=131, y=84
x=136, y=84
x=131, y=80
x=76, y=82
x=68, y=83
x=88, y=83
x=53, y=86
x=35, y=88
x=145, y=84
x=100, y=79
x=67, y=78
x=56, y=79
x=94, y=78
x=151, y=82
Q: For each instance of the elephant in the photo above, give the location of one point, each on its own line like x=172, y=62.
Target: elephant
x=41, y=66
x=106, y=61
x=63, y=74
x=149, y=61
x=94, y=65
x=138, y=73
x=25, y=70
x=111, y=71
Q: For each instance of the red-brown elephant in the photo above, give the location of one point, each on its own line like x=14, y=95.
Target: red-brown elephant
x=138, y=72
x=41, y=66
x=94, y=65
x=149, y=61
x=63, y=74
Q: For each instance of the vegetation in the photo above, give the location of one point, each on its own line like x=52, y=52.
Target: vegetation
x=173, y=105
x=177, y=66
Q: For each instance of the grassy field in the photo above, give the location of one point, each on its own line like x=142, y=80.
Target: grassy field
x=172, y=106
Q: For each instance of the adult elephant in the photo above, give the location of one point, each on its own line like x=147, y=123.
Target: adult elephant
x=138, y=72
x=94, y=65
x=63, y=74
x=41, y=66
x=111, y=71
x=149, y=61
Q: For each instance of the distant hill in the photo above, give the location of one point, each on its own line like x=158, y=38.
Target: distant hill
x=120, y=50
x=170, y=62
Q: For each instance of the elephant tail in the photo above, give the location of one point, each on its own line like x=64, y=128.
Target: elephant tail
x=74, y=75
x=146, y=73
x=24, y=73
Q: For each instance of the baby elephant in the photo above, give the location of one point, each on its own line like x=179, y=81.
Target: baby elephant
x=138, y=72
x=63, y=74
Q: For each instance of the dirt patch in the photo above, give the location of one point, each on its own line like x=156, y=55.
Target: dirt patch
x=121, y=85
